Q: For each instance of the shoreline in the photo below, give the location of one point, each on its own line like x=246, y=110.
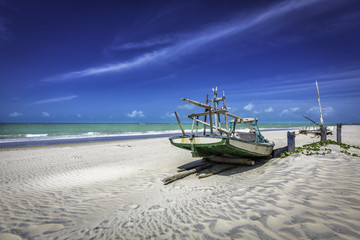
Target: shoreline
x=70, y=139
x=85, y=140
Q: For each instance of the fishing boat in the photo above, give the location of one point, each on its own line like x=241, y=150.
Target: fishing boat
x=222, y=139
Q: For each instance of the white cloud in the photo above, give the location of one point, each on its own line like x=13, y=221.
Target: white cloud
x=15, y=114
x=136, y=114
x=191, y=44
x=169, y=115
x=186, y=106
x=325, y=110
x=294, y=109
x=45, y=114
x=312, y=109
x=249, y=107
x=59, y=99
x=285, y=111
x=269, y=110
x=290, y=110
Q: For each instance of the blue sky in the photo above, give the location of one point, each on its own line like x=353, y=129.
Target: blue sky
x=132, y=61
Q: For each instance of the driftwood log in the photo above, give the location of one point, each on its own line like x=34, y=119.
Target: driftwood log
x=219, y=171
x=231, y=160
x=187, y=173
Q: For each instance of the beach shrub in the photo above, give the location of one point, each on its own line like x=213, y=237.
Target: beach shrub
x=319, y=148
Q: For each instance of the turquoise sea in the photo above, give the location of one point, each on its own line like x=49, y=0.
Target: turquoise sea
x=24, y=134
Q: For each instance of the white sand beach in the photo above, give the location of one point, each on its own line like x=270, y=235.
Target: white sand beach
x=113, y=190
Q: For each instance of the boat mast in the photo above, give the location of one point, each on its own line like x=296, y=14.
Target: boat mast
x=216, y=110
x=318, y=94
x=215, y=107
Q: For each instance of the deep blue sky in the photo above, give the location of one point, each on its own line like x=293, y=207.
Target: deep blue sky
x=132, y=61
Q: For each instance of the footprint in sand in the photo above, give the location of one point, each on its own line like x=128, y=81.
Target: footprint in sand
x=9, y=236
x=156, y=209
x=202, y=188
x=44, y=229
x=130, y=207
x=237, y=198
x=129, y=224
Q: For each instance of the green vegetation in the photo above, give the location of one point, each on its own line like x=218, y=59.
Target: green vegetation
x=319, y=148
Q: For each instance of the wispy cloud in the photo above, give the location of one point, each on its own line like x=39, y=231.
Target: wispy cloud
x=325, y=110
x=269, y=110
x=190, y=44
x=186, y=106
x=135, y=114
x=45, y=114
x=52, y=100
x=153, y=42
x=335, y=83
x=249, y=107
x=289, y=110
x=15, y=114
x=146, y=58
x=168, y=115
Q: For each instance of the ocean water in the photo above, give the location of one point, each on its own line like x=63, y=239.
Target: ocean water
x=27, y=134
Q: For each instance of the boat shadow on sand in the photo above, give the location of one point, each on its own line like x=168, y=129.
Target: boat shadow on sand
x=206, y=168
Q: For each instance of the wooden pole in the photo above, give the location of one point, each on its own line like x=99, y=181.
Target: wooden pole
x=312, y=120
x=220, y=111
x=234, y=128
x=197, y=125
x=177, y=117
x=318, y=94
x=291, y=141
x=211, y=122
x=207, y=101
x=219, y=120
x=196, y=103
x=219, y=129
x=224, y=99
x=192, y=129
x=226, y=124
x=338, y=132
x=323, y=133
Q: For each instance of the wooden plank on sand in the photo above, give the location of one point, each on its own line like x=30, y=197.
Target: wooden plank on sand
x=184, y=174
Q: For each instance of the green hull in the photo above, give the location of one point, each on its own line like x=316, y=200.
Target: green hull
x=222, y=146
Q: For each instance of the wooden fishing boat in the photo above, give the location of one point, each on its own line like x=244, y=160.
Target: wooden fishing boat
x=219, y=141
